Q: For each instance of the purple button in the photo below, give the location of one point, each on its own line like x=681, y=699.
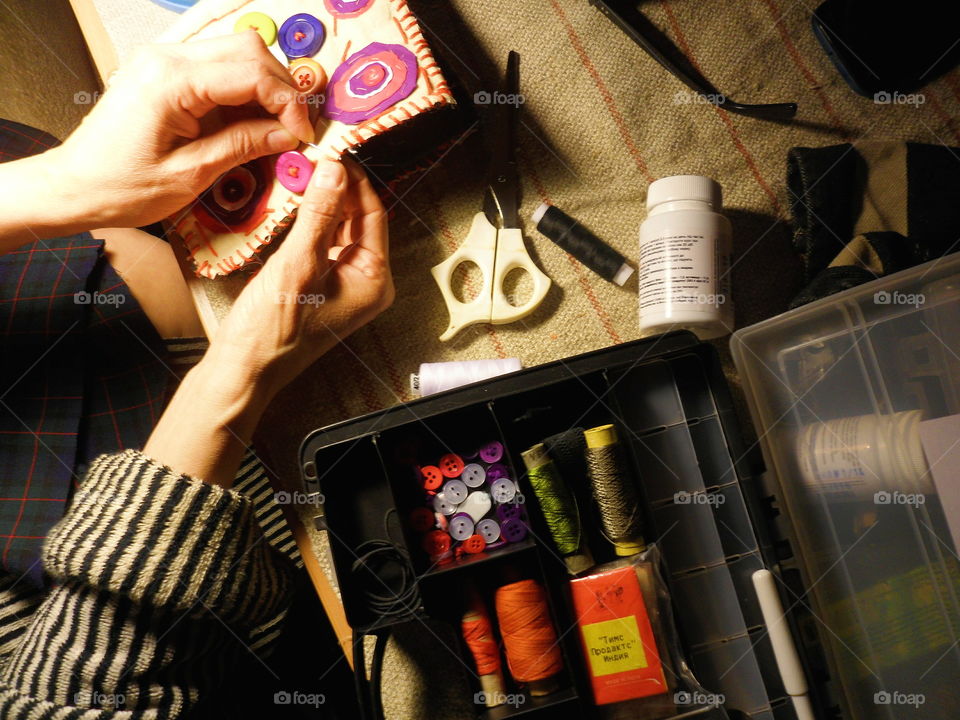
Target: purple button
x=508, y=511
x=503, y=490
x=473, y=475
x=496, y=471
x=494, y=545
x=294, y=170
x=301, y=35
x=513, y=530
x=443, y=505
x=455, y=491
x=460, y=527
x=489, y=530
x=491, y=452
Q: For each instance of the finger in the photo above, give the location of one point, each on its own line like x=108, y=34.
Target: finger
x=321, y=210
x=233, y=145
x=236, y=83
x=368, y=218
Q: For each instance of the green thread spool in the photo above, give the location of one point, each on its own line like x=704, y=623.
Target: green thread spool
x=559, y=508
x=613, y=488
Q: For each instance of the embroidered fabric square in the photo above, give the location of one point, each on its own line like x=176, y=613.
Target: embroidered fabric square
x=367, y=70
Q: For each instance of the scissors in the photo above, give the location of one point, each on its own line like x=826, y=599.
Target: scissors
x=495, y=241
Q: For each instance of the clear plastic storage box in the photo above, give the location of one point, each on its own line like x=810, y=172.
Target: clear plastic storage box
x=839, y=391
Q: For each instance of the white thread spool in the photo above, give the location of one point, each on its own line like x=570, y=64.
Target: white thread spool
x=437, y=377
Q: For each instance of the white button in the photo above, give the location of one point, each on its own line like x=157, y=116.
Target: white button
x=474, y=475
x=455, y=491
x=476, y=505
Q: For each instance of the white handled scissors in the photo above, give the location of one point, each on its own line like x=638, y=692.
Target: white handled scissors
x=495, y=241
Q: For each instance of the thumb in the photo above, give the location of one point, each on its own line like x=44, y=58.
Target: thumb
x=321, y=209
x=236, y=144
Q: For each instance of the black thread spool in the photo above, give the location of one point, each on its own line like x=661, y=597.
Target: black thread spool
x=582, y=244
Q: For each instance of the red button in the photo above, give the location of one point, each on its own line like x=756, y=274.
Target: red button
x=474, y=544
x=437, y=542
x=432, y=477
x=451, y=465
x=421, y=519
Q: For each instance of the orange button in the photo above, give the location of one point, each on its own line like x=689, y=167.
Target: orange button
x=431, y=476
x=451, y=465
x=474, y=544
x=308, y=76
x=421, y=519
x=437, y=542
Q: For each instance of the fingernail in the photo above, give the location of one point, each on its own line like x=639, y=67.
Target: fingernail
x=328, y=174
x=280, y=140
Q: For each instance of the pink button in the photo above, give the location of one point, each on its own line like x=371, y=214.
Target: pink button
x=294, y=170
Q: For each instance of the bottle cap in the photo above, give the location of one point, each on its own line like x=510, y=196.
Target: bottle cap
x=684, y=187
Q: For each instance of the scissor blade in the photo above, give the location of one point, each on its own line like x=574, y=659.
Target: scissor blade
x=502, y=196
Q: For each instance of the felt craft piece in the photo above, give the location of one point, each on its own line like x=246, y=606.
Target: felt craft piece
x=382, y=76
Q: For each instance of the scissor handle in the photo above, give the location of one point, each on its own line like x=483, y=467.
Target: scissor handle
x=512, y=254
x=496, y=253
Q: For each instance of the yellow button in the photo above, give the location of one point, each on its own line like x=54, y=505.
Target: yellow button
x=265, y=27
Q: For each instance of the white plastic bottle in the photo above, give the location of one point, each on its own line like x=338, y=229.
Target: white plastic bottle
x=685, y=245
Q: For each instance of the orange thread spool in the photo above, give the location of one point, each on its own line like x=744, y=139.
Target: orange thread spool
x=530, y=640
x=478, y=634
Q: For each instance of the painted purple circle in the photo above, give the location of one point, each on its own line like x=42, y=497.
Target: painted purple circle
x=461, y=526
x=513, y=530
x=294, y=170
x=489, y=530
x=508, y=511
x=491, y=452
x=347, y=8
x=497, y=471
x=301, y=35
x=350, y=98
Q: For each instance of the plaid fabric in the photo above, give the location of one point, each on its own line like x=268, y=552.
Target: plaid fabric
x=81, y=373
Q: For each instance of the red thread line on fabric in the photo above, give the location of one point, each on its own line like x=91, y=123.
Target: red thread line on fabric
x=478, y=634
x=528, y=634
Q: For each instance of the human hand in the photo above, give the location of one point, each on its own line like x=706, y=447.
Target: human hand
x=330, y=276
x=150, y=146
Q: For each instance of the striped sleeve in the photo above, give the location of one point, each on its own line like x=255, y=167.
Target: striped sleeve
x=158, y=576
x=137, y=529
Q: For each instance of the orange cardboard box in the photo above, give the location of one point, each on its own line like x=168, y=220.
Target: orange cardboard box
x=615, y=633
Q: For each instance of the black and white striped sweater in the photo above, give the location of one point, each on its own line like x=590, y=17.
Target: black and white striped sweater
x=157, y=577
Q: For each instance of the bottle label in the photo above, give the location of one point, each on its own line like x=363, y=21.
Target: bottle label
x=682, y=270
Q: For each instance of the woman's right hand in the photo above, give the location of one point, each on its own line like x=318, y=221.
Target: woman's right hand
x=330, y=276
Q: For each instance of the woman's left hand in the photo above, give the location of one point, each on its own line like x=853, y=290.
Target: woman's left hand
x=144, y=152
